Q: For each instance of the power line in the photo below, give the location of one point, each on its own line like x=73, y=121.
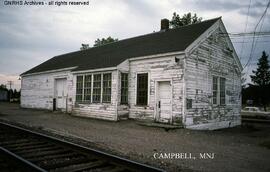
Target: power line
x=245, y=30
x=10, y=83
x=239, y=34
x=253, y=40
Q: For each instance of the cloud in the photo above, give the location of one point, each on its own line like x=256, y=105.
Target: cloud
x=30, y=35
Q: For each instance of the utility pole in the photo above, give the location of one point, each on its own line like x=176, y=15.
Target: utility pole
x=10, y=83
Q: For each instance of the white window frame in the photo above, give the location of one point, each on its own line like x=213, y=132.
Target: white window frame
x=218, y=99
x=92, y=84
x=103, y=87
x=148, y=92
x=124, y=103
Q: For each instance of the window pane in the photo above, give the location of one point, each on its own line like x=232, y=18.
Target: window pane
x=107, y=82
x=97, y=88
x=87, y=87
x=142, y=89
x=222, y=91
x=215, y=89
x=79, y=88
x=124, y=88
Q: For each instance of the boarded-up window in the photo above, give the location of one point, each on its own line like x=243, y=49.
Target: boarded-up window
x=96, y=88
x=107, y=84
x=142, y=89
x=124, y=88
x=215, y=89
x=222, y=90
x=79, y=88
x=87, y=87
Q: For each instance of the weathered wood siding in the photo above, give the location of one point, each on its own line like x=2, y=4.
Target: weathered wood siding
x=157, y=68
x=122, y=110
x=212, y=58
x=106, y=111
x=38, y=91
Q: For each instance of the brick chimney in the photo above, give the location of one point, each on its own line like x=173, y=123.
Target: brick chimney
x=164, y=24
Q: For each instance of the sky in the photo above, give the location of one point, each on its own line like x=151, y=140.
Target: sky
x=30, y=35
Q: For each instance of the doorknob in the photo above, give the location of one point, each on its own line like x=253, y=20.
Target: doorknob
x=158, y=104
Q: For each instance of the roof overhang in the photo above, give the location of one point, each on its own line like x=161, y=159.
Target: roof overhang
x=49, y=71
x=94, y=70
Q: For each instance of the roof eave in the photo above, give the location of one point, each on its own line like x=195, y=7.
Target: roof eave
x=48, y=71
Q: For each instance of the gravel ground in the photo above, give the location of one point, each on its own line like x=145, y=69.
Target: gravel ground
x=244, y=148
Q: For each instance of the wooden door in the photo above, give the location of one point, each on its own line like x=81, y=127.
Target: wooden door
x=164, y=101
x=61, y=93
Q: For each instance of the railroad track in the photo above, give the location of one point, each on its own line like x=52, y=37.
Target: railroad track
x=38, y=152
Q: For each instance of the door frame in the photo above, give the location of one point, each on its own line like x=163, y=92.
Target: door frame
x=156, y=115
x=55, y=96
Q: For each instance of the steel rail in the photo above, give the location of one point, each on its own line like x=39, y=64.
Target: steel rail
x=116, y=159
x=22, y=160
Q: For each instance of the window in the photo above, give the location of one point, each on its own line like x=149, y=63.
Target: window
x=189, y=103
x=79, y=88
x=91, y=87
x=87, y=87
x=222, y=91
x=142, y=89
x=215, y=89
x=219, y=95
x=107, y=81
x=97, y=88
x=124, y=88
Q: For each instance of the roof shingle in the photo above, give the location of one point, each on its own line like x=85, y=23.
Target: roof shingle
x=112, y=54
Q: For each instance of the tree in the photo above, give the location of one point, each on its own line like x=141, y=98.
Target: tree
x=261, y=78
x=104, y=41
x=3, y=87
x=84, y=47
x=186, y=19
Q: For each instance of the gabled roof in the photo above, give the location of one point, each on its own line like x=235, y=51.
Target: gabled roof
x=110, y=55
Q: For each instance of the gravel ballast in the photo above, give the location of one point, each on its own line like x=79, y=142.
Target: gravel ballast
x=244, y=148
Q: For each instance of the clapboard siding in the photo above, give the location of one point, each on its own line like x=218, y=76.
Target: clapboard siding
x=190, y=72
x=38, y=90
x=106, y=111
x=208, y=59
x=157, y=69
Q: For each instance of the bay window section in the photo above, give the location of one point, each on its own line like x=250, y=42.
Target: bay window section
x=106, y=92
x=124, y=88
x=79, y=89
x=96, y=88
x=87, y=88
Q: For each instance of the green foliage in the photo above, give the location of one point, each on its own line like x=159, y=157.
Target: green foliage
x=261, y=79
x=186, y=19
x=84, y=47
x=99, y=42
x=104, y=41
x=261, y=76
x=3, y=87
